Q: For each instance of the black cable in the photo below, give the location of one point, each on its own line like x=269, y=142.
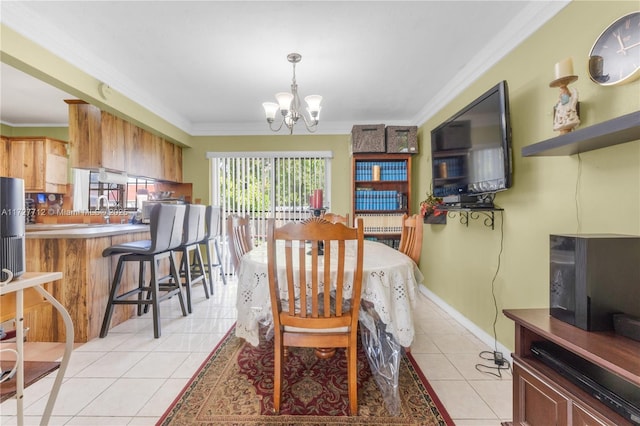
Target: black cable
x=495, y=366
x=493, y=283
x=489, y=356
x=577, y=195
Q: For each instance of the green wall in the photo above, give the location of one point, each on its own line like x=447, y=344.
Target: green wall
x=594, y=192
x=61, y=133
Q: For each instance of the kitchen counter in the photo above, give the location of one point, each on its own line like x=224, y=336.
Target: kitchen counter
x=80, y=230
x=76, y=251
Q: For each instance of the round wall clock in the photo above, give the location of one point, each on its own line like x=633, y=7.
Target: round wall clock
x=615, y=56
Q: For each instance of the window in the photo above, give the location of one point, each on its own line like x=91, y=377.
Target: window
x=268, y=184
x=120, y=196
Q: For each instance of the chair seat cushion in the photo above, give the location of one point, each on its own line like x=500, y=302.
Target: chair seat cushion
x=316, y=330
x=138, y=247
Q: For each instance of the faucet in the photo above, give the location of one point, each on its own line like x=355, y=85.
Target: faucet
x=107, y=218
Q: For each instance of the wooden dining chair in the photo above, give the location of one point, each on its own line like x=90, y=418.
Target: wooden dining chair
x=336, y=218
x=411, y=236
x=324, y=312
x=239, y=237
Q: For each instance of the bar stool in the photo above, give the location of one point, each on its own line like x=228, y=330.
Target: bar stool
x=194, y=232
x=213, y=219
x=166, y=222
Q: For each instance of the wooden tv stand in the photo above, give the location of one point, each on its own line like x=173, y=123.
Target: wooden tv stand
x=541, y=396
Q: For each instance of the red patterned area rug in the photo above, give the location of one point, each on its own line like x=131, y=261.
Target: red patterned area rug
x=234, y=386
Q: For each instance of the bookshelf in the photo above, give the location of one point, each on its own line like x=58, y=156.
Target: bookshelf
x=381, y=194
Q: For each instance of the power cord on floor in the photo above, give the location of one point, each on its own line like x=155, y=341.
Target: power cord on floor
x=499, y=363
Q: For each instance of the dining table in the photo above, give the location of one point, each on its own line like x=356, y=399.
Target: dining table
x=389, y=285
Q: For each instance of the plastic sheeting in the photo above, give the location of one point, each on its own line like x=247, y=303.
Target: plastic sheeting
x=383, y=353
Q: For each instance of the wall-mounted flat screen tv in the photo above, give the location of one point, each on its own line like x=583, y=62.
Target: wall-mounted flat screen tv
x=471, y=151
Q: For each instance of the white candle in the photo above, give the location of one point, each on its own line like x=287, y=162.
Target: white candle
x=564, y=68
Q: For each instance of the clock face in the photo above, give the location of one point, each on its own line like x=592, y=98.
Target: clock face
x=615, y=56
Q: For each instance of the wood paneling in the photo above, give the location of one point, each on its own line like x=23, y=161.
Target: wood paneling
x=84, y=288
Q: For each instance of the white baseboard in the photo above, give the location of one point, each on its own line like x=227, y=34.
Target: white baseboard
x=466, y=323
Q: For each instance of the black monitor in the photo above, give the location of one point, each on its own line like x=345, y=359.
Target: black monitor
x=471, y=151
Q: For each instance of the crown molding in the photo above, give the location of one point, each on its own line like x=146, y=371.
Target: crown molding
x=528, y=21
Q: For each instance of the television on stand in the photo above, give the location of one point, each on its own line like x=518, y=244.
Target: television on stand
x=471, y=152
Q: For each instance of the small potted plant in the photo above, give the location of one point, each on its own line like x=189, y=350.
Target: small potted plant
x=431, y=211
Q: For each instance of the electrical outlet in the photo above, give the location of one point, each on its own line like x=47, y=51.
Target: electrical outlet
x=498, y=358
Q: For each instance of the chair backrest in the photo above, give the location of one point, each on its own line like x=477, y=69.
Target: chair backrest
x=194, y=224
x=327, y=287
x=336, y=218
x=166, y=226
x=411, y=236
x=213, y=221
x=239, y=235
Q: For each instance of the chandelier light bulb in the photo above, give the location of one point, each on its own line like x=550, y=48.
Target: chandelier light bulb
x=313, y=106
x=284, y=99
x=313, y=102
x=270, y=110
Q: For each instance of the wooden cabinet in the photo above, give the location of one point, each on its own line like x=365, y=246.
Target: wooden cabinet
x=97, y=138
x=102, y=140
x=542, y=402
x=541, y=396
x=381, y=193
x=4, y=156
x=84, y=135
x=172, y=162
x=42, y=163
x=113, y=149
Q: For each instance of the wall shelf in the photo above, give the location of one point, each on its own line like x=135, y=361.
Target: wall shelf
x=474, y=214
x=619, y=130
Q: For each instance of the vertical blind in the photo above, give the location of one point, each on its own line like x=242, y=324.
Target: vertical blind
x=267, y=185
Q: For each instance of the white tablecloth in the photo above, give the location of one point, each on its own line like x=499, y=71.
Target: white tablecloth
x=390, y=281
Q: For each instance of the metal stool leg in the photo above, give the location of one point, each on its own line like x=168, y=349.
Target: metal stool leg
x=153, y=292
x=141, y=282
x=222, y=274
x=115, y=285
x=207, y=250
x=185, y=270
x=176, y=277
x=199, y=269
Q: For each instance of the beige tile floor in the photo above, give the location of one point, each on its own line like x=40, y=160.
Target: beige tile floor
x=130, y=378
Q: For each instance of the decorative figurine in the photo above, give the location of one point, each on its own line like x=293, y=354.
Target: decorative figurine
x=565, y=112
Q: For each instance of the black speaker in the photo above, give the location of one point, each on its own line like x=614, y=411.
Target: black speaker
x=12, y=226
x=592, y=277
x=627, y=326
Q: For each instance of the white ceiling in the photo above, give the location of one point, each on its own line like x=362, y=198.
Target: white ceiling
x=207, y=66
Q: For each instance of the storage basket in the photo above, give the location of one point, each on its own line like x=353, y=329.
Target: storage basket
x=368, y=138
x=402, y=139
